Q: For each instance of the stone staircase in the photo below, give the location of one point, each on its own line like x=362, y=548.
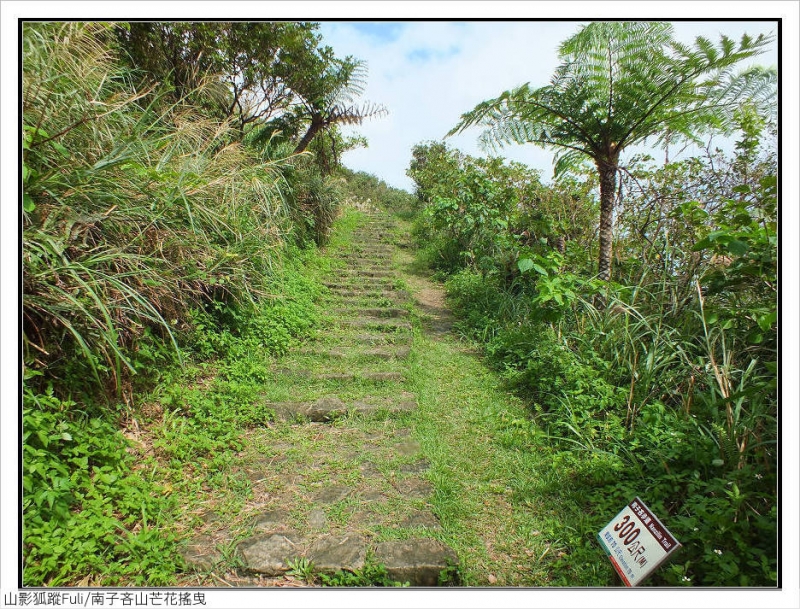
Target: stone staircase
x=359, y=493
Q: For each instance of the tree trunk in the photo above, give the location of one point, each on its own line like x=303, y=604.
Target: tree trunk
x=316, y=125
x=608, y=183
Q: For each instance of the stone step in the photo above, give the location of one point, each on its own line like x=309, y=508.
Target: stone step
x=368, y=300
x=398, y=352
x=383, y=325
x=377, y=258
x=383, y=339
x=359, y=283
x=380, y=312
x=360, y=272
x=383, y=246
x=349, y=292
x=337, y=341
x=372, y=238
x=330, y=407
x=419, y=562
x=373, y=377
x=372, y=249
x=367, y=290
x=351, y=376
x=379, y=226
x=362, y=268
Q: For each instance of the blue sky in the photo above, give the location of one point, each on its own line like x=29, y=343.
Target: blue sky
x=427, y=73
x=381, y=31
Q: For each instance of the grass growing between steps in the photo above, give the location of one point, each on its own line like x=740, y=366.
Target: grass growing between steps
x=228, y=471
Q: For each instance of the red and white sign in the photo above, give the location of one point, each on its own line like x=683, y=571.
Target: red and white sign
x=636, y=542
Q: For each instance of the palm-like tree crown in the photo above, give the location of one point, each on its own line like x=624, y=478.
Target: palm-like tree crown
x=332, y=99
x=619, y=84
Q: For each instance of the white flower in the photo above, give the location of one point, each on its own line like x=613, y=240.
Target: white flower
x=718, y=552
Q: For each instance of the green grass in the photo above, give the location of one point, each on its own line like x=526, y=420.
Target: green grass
x=485, y=486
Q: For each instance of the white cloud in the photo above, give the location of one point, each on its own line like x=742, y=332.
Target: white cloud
x=428, y=73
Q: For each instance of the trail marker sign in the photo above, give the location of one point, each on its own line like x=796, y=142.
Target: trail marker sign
x=636, y=542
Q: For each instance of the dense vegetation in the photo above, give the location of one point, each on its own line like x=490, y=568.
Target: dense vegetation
x=169, y=215
x=178, y=180
x=659, y=383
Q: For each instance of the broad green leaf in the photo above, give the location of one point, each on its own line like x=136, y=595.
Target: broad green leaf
x=525, y=265
x=702, y=244
x=737, y=248
x=27, y=203
x=765, y=321
x=769, y=181
x=756, y=337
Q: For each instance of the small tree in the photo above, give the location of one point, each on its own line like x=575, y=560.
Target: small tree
x=620, y=84
x=329, y=99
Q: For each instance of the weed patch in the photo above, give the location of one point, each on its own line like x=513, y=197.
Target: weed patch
x=87, y=514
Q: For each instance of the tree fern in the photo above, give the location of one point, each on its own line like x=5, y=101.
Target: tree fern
x=620, y=84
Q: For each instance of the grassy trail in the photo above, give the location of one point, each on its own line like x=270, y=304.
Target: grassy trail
x=396, y=456
x=490, y=480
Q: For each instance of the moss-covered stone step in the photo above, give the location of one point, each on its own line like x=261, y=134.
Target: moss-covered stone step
x=419, y=562
x=350, y=293
x=360, y=377
x=331, y=407
x=358, y=338
x=382, y=325
x=387, y=352
x=372, y=249
x=366, y=272
x=363, y=258
x=380, y=312
x=371, y=284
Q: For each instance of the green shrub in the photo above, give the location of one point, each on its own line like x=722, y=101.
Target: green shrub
x=610, y=403
x=85, y=510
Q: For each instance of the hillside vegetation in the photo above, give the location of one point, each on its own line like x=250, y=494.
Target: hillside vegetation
x=659, y=383
x=165, y=223
x=184, y=205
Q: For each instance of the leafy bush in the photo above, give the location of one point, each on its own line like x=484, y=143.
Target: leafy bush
x=86, y=512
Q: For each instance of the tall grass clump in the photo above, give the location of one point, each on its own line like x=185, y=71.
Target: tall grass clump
x=136, y=209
